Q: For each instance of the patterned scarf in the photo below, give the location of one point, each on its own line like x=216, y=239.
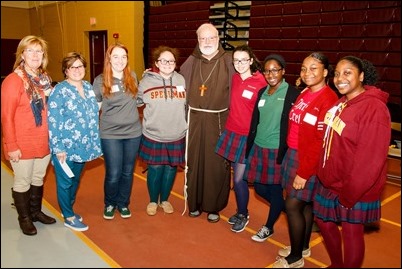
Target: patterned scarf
x=32, y=87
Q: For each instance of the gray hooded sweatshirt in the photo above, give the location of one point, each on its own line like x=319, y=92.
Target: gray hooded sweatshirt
x=165, y=106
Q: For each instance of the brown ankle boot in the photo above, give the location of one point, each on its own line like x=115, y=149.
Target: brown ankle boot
x=21, y=202
x=36, y=206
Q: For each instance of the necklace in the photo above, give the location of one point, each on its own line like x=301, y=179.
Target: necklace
x=203, y=87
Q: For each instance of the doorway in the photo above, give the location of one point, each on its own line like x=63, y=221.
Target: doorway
x=8, y=49
x=97, y=50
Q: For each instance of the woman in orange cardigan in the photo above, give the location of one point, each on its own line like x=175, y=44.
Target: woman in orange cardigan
x=25, y=129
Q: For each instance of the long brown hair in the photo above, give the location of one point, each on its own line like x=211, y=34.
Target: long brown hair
x=129, y=82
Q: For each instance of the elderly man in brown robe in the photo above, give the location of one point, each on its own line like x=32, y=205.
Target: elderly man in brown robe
x=208, y=72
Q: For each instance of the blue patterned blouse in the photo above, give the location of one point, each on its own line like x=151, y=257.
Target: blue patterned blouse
x=74, y=122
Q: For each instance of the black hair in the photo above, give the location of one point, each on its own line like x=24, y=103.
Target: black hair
x=365, y=66
x=323, y=59
x=278, y=58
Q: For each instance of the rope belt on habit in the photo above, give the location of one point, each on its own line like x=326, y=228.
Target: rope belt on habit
x=185, y=156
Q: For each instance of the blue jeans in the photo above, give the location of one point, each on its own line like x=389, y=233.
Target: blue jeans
x=67, y=187
x=120, y=156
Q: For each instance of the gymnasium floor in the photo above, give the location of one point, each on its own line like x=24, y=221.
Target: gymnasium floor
x=167, y=240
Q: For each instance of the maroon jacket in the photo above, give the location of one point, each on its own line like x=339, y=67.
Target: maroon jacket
x=355, y=166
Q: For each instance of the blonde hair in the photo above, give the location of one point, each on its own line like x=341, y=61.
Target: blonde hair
x=31, y=40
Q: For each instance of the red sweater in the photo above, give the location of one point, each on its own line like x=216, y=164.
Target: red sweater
x=18, y=123
x=311, y=136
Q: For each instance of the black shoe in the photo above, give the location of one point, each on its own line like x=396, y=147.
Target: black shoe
x=263, y=234
x=240, y=224
x=233, y=219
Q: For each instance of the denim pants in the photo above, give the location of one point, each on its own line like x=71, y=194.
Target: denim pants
x=120, y=156
x=67, y=187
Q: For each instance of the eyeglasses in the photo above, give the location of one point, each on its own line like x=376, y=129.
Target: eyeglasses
x=31, y=51
x=242, y=61
x=204, y=39
x=273, y=71
x=165, y=62
x=75, y=68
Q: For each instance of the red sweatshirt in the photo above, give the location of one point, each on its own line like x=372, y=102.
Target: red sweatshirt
x=356, y=148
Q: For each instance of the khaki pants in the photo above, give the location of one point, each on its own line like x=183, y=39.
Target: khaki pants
x=29, y=172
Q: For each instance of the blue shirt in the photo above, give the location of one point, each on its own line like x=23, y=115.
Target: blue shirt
x=74, y=122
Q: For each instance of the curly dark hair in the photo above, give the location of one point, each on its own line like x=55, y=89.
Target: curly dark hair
x=365, y=66
x=370, y=73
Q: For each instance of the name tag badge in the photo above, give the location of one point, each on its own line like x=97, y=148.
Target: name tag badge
x=91, y=93
x=310, y=119
x=115, y=88
x=261, y=103
x=180, y=88
x=247, y=94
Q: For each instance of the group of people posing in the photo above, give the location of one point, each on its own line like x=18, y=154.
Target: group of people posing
x=223, y=115
x=75, y=122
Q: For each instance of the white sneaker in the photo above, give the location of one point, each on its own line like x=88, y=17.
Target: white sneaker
x=283, y=263
x=284, y=252
x=167, y=207
x=151, y=208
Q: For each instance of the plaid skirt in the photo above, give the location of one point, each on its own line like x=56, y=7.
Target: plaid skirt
x=261, y=166
x=288, y=170
x=326, y=206
x=232, y=146
x=154, y=152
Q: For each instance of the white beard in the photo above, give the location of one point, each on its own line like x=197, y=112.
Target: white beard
x=209, y=50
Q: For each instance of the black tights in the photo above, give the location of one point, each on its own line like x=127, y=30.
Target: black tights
x=273, y=194
x=300, y=223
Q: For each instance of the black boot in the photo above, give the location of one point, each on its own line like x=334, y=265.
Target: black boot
x=21, y=202
x=36, y=206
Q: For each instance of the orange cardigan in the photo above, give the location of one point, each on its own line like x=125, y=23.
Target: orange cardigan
x=18, y=123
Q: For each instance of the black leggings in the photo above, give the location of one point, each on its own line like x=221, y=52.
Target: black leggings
x=300, y=223
x=273, y=194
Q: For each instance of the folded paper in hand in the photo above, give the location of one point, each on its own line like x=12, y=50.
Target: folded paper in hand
x=66, y=169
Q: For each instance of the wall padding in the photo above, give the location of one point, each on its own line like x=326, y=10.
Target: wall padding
x=370, y=30
x=367, y=29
